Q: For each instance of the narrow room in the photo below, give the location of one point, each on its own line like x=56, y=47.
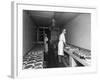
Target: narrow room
x=47, y=33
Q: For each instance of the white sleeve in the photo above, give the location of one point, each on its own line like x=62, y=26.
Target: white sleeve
x=46, y=39
x=64, y=38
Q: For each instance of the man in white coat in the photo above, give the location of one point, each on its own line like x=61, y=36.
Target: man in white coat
x=61, y=45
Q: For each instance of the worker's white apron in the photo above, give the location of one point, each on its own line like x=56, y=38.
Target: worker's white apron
x=60, y=48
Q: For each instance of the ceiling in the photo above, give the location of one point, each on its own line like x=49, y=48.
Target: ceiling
x=44, y=18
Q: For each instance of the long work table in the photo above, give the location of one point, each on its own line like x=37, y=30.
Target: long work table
x=77, y=55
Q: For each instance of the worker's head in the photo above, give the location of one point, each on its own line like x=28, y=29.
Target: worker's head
x=45, y=35
x=64, y=31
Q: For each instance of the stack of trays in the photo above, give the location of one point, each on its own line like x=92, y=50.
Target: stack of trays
x=34, y=60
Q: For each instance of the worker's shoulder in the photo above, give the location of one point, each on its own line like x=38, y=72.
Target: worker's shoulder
x=62, y=34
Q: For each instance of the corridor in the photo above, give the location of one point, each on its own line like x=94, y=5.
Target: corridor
x=37, y=24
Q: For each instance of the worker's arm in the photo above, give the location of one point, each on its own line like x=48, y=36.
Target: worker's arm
x=65, y=44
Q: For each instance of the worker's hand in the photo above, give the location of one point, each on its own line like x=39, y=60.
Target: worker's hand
x=67, y=47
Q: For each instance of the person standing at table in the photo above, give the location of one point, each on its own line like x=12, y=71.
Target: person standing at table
x=45, y=49
x=45, y=43
x=61, y=45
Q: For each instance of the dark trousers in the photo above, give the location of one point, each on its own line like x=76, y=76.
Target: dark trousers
x=63, y=60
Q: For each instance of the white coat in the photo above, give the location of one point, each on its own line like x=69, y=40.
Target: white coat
x=61, y=44
x=45, y=44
